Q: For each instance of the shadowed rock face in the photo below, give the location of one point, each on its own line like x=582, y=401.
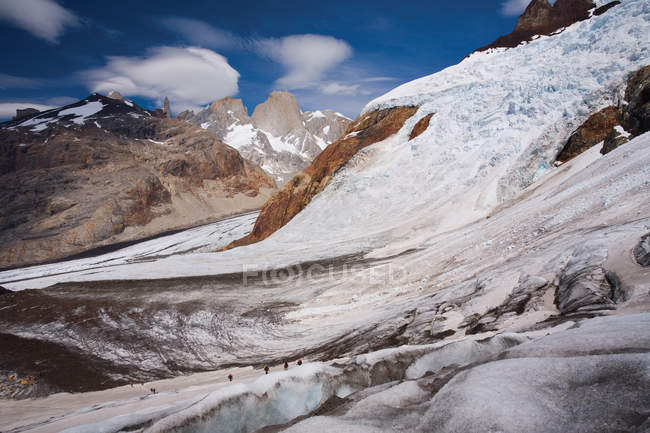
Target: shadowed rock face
x=636, y=117
x=72, y=182
x=540, y=18
x=632, y=119
x=595, y=130
x=642, y=251
x=367, y=129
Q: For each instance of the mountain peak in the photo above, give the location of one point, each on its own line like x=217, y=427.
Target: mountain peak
x=540, y=18
x=114, y=94
x=278, y=137
x=279, y=114
x=233, y=105
x=536, y=15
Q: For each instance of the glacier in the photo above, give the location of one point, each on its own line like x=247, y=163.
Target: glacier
x=465, y=236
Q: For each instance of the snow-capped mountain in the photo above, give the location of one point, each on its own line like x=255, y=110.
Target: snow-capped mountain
x=278, y=136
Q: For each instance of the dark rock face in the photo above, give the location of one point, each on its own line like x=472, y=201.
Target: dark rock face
x=536, y=16
x=612, y=141
x=636, y=118
x=167, y=111
x=367, y=129
x=642, y=251
x=26, y=112
x=595, y=130
x=604, y=8
x=540, y=18
x=71, y=183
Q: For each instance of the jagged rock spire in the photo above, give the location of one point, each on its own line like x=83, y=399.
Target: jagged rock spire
x=166, y=109
x=536, y=15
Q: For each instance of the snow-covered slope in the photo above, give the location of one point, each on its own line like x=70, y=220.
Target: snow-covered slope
x=278, y=136
x=206, y=238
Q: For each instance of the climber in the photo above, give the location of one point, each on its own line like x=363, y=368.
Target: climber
x=266, y=369
x=230, y=377
x=299, y=362
x=286, y=365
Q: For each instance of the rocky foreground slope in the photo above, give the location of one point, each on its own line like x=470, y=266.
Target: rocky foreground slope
x=104, y=170
x=278, y=136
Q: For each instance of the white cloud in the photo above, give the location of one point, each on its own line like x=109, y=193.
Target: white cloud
x=43, y=18
x=13, y=82
x=190, y=76
x=60, y=101
x=516, y=7
x=8, y=109
x=378, y=79
x=200, y=33
x=306, y=58
x=339, y=89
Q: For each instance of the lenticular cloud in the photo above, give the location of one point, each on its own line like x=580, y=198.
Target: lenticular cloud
x=188, y=76
x=44, y=19
x=305, y=57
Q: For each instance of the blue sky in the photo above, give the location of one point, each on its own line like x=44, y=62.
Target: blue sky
x=330, y=54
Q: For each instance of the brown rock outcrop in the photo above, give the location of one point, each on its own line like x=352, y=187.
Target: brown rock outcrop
x=633, y=117
x=593, y=131
x=367, y=129
x=69, y=185
x=421, y=126
x=540, y=18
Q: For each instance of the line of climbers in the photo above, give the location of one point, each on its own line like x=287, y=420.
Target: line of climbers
x=267, y=369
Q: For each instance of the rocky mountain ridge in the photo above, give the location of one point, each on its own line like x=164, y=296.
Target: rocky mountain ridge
x=543, y=19
x=277, y=136
x=104, y=170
